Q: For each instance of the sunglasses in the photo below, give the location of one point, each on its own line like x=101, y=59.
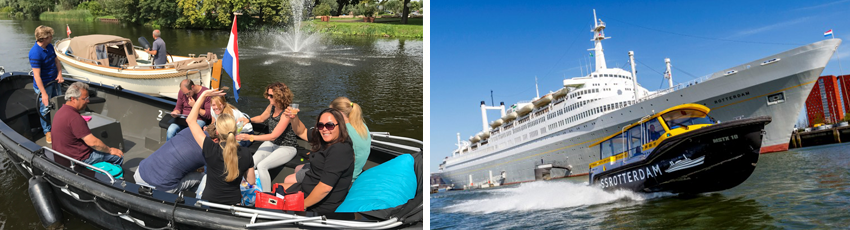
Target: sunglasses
x=329, y=126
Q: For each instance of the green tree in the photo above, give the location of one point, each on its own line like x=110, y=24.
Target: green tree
x=158, y=12
x=368, y=8
x=395, y=6
x=121, y=9
x=322, y=10
x=68, y=4
x=94, y=7
x=34, y=8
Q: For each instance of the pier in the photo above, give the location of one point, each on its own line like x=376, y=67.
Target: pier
x=827, y=134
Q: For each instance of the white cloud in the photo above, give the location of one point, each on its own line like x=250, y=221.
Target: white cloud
x=823, y=5
x=770, y=27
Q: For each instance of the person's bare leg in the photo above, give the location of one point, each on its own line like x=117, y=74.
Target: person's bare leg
x=290, y=179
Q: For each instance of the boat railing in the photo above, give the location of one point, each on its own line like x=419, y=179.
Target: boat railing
x=166, y=65
x=388, y=136
x=675, y=88
x=283, y=218
x=75, y=161
x=84, y=59
x=77, y=77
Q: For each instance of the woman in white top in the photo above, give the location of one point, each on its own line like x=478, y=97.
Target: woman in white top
x=219, y=105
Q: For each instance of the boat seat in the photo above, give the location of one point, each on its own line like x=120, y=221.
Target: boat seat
x=95, y=104
x=18, y=103
x=106, y=129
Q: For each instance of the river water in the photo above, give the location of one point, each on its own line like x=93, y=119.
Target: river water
x=384, y=76
x=805, y=188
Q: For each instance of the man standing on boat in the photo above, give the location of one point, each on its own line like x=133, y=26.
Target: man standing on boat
x=189, y=93
x=73, y=136
x=158, y=50
x=45, y=69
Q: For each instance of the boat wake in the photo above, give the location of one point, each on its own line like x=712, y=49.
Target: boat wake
x=544, y=195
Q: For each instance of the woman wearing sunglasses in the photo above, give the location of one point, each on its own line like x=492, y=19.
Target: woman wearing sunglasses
x=354, y=123
x=327, y=180
x=279, y=145
x=226, y=161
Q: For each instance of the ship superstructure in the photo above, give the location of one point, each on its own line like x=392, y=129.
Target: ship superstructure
x=549, y=135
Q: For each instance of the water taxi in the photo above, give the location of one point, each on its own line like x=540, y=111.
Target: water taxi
x=679, y=150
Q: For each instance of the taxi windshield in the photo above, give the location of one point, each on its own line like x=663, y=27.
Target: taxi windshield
x=678, y=118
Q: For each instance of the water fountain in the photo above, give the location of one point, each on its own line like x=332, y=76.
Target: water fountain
x=294, y=38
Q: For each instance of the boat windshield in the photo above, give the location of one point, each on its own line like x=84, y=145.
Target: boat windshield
x=678, y=118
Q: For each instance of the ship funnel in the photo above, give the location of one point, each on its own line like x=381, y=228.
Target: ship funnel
x=485, y=128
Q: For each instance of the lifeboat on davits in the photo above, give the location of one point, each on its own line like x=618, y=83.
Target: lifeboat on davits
x=496, y=123
x=543, y=101
x=560, y=93
x=524, y=109
x=484, y=135
x=509, y=117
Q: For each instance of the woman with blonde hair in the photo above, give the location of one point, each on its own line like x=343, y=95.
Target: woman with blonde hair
x=226, y=161
x=279, y=145
x=355, y=127
x=219, y=105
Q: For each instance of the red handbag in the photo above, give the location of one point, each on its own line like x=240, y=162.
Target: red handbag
x=268, y=201
x=291, y=202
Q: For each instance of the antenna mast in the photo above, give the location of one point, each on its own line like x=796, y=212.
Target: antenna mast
x=598, y=36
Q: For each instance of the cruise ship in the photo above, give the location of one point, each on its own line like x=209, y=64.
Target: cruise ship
x=549, y=136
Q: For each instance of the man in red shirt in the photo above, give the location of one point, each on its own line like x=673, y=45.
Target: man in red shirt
x=72, y=136
x=189, y=92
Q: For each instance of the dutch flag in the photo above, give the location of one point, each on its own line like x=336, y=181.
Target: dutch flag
x=827, y=33
x=230, y=61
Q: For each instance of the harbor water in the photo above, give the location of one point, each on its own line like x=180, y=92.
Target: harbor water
x=806, y=188
x=383, y=75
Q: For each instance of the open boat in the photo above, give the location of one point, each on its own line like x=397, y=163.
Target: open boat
x=679, y=150
x=129, y=120
x=113, y=60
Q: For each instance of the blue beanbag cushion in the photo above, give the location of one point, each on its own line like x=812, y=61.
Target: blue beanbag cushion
x=388, y=185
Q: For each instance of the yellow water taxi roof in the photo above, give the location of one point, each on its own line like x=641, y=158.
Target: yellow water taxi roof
x=645, y=119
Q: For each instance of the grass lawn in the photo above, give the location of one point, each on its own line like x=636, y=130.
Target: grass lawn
x=383, y=27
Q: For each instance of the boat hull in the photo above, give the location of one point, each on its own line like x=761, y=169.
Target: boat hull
x=155, y=82
x=120, y=204
x=708, y=159
x=730, y=97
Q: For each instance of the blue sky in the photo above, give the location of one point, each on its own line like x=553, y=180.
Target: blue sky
x=478, y=46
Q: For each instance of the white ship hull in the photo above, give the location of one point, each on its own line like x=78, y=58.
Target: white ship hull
x=742, y=94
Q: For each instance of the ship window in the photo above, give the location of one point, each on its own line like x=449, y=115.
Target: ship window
x=634, y=137
x=679, y=118
x=653, y=130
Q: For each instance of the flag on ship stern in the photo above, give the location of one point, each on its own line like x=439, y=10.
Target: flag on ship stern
x=827, y=33
x=230, y=61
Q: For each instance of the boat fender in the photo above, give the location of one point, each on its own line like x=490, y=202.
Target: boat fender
x=45, y=203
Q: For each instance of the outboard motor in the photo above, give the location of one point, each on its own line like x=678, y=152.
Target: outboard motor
x=45, y=204
x=144, y=42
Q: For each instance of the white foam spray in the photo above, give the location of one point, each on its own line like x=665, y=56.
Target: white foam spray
x=543, y=195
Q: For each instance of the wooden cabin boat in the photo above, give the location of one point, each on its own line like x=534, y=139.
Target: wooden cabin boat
x=113, y=60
